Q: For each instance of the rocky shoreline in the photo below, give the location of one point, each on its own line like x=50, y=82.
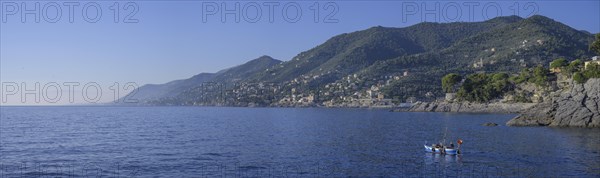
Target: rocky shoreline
x=577, y=105
x=469, y=107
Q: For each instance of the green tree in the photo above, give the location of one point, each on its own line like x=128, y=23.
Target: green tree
x=578, y=77
x=474, y=88
x=499, y=76
x=483, y=87
x=499, y=82
x=449, y=81
x=592, y=71
x=540, y=76
x=558, y=63
x=595, y=46
x=575, y=66
x=523, y=76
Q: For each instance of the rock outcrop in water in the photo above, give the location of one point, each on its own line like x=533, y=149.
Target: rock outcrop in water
x=576, y=106
x=490, y=124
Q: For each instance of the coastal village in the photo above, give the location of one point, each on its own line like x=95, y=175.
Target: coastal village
x=344, y=93
x=351, y=91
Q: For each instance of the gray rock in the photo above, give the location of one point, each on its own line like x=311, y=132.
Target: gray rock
x=575, y=106
x=470, y=107
x=490, y=124
x=581, y=118
x=538, y=115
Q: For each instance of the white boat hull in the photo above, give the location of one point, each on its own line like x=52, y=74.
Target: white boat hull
x=450, y=151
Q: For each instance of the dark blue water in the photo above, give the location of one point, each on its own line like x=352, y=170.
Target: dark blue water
x=275, y=142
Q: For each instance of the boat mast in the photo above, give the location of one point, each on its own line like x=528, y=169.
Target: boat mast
x=445, y=132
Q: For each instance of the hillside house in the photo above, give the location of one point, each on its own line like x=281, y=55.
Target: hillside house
x=595, y=59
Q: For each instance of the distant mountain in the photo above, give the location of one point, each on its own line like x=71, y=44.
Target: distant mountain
x=399, y=63
x=159, y=91
x=239, y=73
x=243, y=72
x=348, y=53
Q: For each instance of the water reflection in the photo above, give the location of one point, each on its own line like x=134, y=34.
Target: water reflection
x=580, y=137
x=581, y=145
x=433, y=158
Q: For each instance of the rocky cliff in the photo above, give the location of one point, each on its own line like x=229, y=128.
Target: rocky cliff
x=577, y=105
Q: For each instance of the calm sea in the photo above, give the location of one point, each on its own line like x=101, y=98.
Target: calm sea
x=276, y=142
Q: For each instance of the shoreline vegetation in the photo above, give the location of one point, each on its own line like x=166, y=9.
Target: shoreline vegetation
x=566, y=95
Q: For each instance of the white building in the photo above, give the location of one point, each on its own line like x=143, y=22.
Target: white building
x=595, y=59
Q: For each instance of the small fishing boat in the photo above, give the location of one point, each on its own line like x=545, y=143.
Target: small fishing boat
x=442, y=149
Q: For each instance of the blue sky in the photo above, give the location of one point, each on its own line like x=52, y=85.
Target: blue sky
x=178, y=39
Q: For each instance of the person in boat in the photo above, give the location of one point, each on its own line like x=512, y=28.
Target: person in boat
x=451, y=145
